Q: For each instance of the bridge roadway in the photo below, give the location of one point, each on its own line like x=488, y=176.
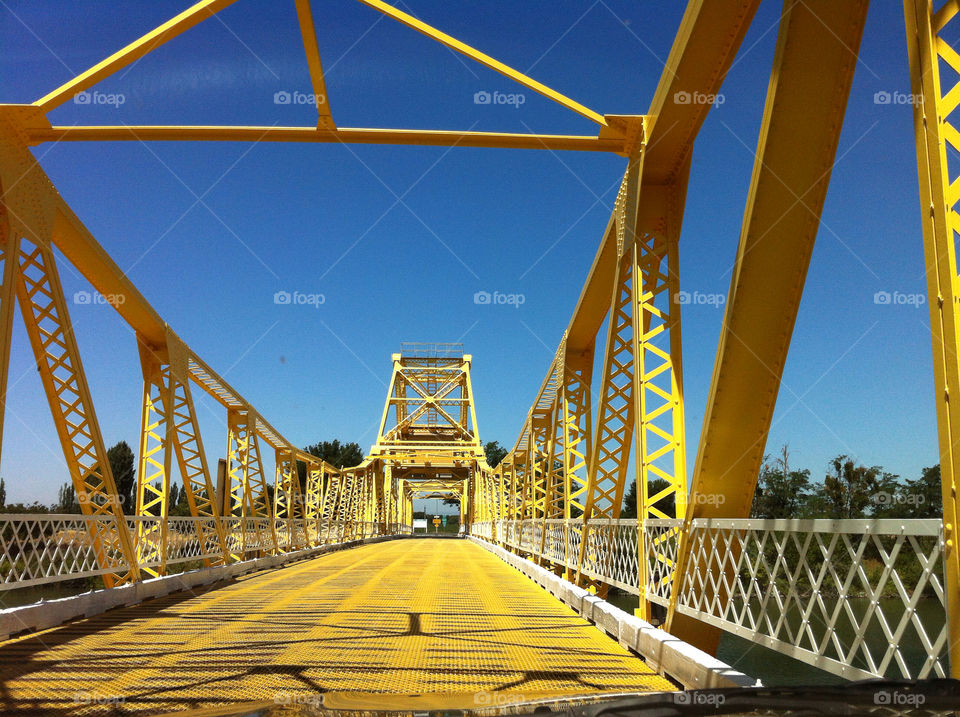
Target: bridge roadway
x=417, y=616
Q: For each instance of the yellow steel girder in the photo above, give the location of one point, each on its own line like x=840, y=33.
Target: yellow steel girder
x=936, y=135
x=803, y=109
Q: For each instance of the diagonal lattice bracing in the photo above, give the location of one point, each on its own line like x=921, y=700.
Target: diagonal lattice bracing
x=44, y=311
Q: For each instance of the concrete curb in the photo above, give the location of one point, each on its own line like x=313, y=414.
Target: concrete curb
x=50, y=613
x=681, y=662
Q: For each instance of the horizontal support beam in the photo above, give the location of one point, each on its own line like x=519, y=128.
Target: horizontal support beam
x=343, y=135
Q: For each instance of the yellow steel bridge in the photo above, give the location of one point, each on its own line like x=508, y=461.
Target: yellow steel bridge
x=302, y=590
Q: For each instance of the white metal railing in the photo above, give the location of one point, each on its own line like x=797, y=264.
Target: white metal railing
x=854, y=597
x=39, y=549
x=36, y=549
x=858, y=598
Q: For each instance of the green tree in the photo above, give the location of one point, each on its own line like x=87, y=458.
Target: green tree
x=3, y=493
x=341, y=455
x=668, y=504
x=850, y=489
x=494, y=453
x=124, y=475
x=179, y=505
x=629, y=509
x=780, y=492
x=333, y=452
x=67, y=499
x=921, y=498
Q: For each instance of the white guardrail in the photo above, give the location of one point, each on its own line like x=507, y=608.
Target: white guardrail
x=857, y=598
x=36, y=549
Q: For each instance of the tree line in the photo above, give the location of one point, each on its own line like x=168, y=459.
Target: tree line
x=848, y=489
x=123, y=466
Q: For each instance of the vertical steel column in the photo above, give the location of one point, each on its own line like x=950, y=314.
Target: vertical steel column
x=607, y=468
x=156, y=460
x=939, y=194
x=9, y=250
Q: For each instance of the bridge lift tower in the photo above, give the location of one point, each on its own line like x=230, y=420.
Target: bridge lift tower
x=428, y=440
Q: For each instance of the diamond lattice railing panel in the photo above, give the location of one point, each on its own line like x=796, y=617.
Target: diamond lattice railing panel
x=858, y=598
x=40, y=549
x=191, y=538
x=662, y=544
x=855, y=597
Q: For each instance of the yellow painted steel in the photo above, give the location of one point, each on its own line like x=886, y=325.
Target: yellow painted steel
x=566, y=463
x=928, y=46
x=30, y=273
x=803, y=109
x=406, y=617
x=132, y=52
x=483, y=59
x=616, y=144
x=309, y=33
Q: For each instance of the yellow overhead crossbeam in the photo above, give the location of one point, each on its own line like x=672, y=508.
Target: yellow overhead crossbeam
x=484, y=59
x=610, y=139
x=344, y=135
x=133, y=52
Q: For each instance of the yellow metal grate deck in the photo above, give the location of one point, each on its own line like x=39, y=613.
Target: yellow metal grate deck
x=407, y=616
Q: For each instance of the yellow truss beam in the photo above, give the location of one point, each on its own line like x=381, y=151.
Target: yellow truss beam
x=803, y=109
x=132, y=52
x=706, y=43
x=937, y=138
x=782, y=215
x=484, y=59
x=307, y=29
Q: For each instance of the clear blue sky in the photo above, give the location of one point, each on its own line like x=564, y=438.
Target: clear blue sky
x=398, y=239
